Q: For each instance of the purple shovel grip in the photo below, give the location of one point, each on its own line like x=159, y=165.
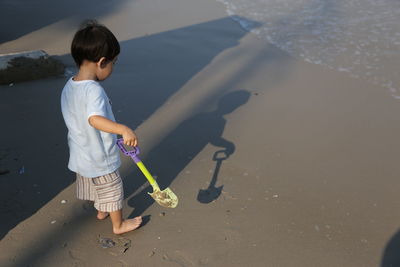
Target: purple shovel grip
x=131, y=153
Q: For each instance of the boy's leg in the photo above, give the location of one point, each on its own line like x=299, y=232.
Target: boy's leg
x=121, y=226
x=101, y=215
x=84, y=190
x=109, y=194
x=108, y=200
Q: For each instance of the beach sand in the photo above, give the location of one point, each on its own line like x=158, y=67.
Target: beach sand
x=311, y=179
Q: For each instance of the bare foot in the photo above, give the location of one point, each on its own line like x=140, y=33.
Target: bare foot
x=101, y=215
x=128, y=225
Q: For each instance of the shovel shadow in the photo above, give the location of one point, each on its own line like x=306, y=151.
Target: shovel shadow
x=212, y=193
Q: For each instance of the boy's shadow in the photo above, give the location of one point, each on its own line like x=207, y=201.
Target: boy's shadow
x=177, y=149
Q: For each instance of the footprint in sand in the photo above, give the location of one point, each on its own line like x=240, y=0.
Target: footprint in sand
x=179, y=258
x=77, y=260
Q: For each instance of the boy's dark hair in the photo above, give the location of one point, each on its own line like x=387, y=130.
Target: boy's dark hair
x=92, y=42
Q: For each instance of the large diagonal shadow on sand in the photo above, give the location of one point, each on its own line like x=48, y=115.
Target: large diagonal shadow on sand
x=151, y=69
x=41, y=13
x=155, y=67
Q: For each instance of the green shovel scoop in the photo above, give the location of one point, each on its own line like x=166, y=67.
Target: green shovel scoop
x=166, y=197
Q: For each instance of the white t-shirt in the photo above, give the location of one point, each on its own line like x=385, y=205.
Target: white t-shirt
x=92, y=152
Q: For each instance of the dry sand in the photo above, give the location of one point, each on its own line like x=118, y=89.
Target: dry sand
x=312, y=179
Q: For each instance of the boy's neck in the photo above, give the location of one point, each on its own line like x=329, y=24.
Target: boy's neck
x=86, y=72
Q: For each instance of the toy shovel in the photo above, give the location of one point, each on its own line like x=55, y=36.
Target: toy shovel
x=166, y=197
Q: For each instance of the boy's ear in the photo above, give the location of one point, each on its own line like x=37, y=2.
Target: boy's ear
x=102, y=63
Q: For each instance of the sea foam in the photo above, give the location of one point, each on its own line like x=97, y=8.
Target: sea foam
x=359, y=37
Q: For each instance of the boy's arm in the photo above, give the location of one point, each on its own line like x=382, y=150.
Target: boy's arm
x=103, y=124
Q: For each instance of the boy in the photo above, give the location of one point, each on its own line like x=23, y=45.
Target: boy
x=92, y=129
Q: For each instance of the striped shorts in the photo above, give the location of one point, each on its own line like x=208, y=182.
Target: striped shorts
x=106, y=191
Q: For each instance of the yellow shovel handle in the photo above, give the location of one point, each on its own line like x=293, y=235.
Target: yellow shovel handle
x=146, y=173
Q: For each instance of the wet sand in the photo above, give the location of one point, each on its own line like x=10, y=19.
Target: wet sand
x=302, y=160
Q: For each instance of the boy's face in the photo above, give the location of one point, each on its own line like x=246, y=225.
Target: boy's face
x=105, y=68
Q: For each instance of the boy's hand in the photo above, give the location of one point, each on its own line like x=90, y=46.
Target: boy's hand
x=129, y=137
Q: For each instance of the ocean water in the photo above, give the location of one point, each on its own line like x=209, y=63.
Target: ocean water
x=360, y=37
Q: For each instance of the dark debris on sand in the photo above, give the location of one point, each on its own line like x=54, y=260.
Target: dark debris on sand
x=25, y=69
